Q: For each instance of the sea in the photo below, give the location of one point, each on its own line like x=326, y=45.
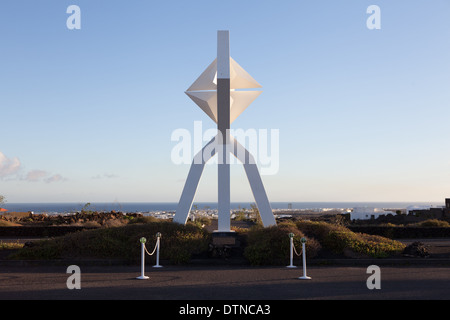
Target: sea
x=147, y=207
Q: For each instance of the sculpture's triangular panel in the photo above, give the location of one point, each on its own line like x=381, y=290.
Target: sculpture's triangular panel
x=239, y=78
x=207, y=80
x=240, y=100
x=207, y=101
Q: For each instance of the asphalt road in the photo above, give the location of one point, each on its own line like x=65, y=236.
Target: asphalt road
x=224, y=283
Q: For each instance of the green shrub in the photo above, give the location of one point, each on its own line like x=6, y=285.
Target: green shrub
x=142, y=219
x=433, y=223
x=270, y=246
x=338, y=239
x=363, y=244
x=318, y=229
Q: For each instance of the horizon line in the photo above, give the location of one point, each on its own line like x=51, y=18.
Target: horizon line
x=175, y=202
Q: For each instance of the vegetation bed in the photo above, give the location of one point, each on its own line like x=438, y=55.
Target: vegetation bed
x=180, y=244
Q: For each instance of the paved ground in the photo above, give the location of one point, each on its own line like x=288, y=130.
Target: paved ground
x=224, y=283
x=235, y=284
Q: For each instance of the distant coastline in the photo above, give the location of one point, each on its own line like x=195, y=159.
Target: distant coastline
x=130, y=207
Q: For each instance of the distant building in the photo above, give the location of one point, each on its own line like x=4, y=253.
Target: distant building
x=290, y=206
x=366, y=213
x=430, y=212
x=411, y=209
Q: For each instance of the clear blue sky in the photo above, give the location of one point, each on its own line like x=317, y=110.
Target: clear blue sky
x=87, y=115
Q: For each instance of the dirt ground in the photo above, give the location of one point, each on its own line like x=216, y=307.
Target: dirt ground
x=437, y=248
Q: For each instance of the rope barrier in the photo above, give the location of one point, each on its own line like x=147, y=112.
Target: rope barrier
x=154, y=250
x=295, y=250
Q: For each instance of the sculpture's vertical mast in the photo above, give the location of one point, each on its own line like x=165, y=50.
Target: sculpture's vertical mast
x=223, y=125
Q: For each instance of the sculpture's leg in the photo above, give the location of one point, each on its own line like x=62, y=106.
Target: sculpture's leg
x=254, y=178
x=190, y=187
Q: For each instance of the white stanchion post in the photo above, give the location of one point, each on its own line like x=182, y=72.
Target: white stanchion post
x=143, y=276
x=304, y=277
x=158, y=243
x=291, y=239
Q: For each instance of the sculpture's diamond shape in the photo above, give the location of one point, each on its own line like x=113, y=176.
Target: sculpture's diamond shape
x=204, y=90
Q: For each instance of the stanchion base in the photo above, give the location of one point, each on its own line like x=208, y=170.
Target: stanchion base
x=157, y=266
x=142, y=277
x=291, y=266
x=304, y=278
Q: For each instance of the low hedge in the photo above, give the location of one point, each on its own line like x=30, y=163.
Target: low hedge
x=38, y=231
x=178, y=243
x=412, y=232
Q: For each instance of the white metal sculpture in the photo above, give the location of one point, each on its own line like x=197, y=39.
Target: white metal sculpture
x=216, y=92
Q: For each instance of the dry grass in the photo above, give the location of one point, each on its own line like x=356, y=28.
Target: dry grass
x=5, y=223
x=10, y=245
